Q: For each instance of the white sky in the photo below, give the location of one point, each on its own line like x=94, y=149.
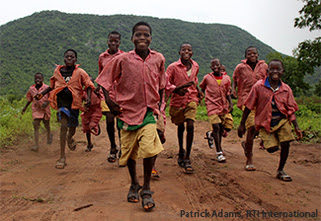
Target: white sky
x=270, y=21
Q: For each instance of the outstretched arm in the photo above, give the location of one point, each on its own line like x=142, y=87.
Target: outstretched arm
x=297, y=129
x=25, y=107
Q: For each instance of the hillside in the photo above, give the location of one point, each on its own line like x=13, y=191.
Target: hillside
x=36, y=43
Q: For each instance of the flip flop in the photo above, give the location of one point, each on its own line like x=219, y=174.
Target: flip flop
x=147, y=200
x=35, y=149
x=60, y=165
x=112, y=157
x=283, y=176
x=89, y=148
x=132, y=195
x=210, y=139
x=250, y=167
x=188, y=167
x=155, y=174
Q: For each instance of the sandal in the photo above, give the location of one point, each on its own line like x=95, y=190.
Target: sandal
x=220, y=157
x=155, y=174
x=188, y=167
x=112, y=157
x=89, y=147
x=283, y=176
x=61, y=164
x=210, y=139
x=147, y=202
x=250, y=167
x=132, y=195
x=72, y=144
x=35, y=149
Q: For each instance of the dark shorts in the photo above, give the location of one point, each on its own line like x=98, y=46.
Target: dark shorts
x=72, y=115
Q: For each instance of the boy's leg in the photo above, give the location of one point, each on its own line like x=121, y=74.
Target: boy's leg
x=249, y=145
x=217, y=136
x=89, y=144
x=146, y=194
x=110, y=126
x=189, y=137
x=63, y=135
x=47, y=126
x=36, y=126
x=71, y=142
x=181, y=153
x=285, y=147
x=133, y=196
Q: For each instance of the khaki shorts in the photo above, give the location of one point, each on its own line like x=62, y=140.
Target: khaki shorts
x=180, y=115
x=104, y=107
x=281, y=132
x=250, y=121
x=225, y=119
x=141, y=143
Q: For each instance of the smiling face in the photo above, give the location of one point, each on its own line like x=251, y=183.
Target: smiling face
x=70, y=58
x=275, y=70
x=252, y=55
x=186, y=52
x=113, y=43
x=216, y=65
x=142, y=38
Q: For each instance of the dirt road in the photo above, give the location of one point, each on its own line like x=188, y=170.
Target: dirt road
x=32, y=189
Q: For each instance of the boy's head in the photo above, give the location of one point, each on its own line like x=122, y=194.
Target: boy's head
x=251, y=54
x=141, y=36
x=216, y=65
x=275, y=69
x=186, y=51
x=223, y=69
x=113, y=41
x=70, y=57
x=38, y=78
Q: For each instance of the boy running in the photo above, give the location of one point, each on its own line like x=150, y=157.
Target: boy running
x=140, y=77
x=113, y=50
x=219, y=104
x=275, y=111
x=40, y=109
x=183, y=106
x=245, y=75
x=67, y=85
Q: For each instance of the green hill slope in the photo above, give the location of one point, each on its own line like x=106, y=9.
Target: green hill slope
x=37, y=42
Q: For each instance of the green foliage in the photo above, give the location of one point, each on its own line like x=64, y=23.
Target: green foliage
x=13, y=124
x=310, y=15
x=37, y=42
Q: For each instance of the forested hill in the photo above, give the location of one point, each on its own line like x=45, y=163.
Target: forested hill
x=37, y=42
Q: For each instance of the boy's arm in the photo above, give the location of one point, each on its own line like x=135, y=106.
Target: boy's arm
x=229, y=98
x=43, y=93
x=297, y=129
x=88, y=99
x=181, y=90
x=234, y=85
x=115, y=109
x=241, y=129
x=25, y=107
x=161, y=92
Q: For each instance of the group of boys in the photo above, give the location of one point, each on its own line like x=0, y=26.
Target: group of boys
x=134, y=85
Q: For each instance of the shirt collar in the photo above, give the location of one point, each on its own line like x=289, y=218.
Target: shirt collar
x=267, y=84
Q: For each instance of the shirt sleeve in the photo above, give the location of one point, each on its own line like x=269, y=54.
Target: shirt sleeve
x=29, y=96
x=162, y=80
x=236, y=73
x=110, y=73
x=292, y=106
x=251, y=100
x=203, y=83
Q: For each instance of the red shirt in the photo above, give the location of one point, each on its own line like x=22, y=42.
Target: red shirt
x=137, y=83
x=261, y=98
x=103, y=60
x=37, y=111
x=79, y=81
x=246, y=78
x=177, y=75
x=215, y=94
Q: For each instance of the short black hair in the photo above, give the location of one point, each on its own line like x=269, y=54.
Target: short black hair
x=249, y=48
x=139, y=24
x=38, y=73
x=114, y=33
x=72, y=51
x=277, y=60
x=184, y=43
x=216, y=59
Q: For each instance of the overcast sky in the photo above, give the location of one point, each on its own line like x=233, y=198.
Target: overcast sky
x=270, y=21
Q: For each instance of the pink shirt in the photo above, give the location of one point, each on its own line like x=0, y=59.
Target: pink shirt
x=37, y=111
x=246, y=78
x=91, y=117
x=215, y=94
x=103, y=60
x=137, y=83
x=78, y=82
x=177, y=76
x=261, y=98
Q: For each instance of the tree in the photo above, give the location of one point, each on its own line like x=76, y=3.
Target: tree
x=308, y=52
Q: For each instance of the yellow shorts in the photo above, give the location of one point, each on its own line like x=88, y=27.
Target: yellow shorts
x=225, y=119
x=141, y=143
x=250, y=121
x=104, y=107
x=281, y=132
x=179, y=115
